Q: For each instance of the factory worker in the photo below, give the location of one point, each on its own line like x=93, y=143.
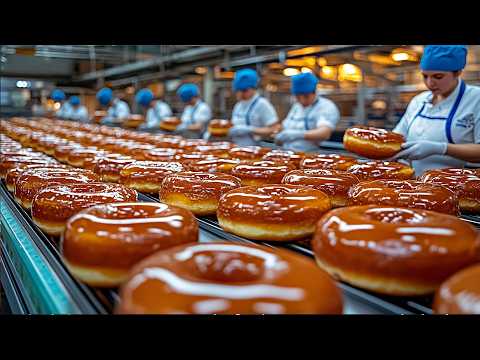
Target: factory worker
x=118, y=109
x=311, y=120
x=59, y=96
x=156, y=109
x=253, y=116
x=78, y=112
x=196, y=113
x=442, y=125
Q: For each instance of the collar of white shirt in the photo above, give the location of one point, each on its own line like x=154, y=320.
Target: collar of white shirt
x=251, y=100
x=450, y=98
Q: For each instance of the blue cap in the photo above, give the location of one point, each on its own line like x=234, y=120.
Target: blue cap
x=187, y=92
x=144, y=97
x=58, y=95
x=444, y=58
x=104, y=96
x=74, y=100
x=245, y=79
x=304, y=83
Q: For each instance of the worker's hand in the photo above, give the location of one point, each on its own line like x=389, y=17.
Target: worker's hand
x=240, y=130
x=286, y=136
x=416, y=150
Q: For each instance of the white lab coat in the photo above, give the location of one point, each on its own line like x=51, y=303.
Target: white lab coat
x=323, y=112
x=431, y=123
x=199, y=113
x=117, y=111
x=64, y=110
x=257, y=112
x=78, y=113
x=155, y=114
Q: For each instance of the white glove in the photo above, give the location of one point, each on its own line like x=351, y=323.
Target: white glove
x=416, y=150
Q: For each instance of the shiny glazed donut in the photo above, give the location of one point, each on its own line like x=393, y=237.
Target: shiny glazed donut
x=328, y=161
x=262, y=172
x=89, y=163
x=219, y=128
x=373, y=170
x=10, y=162
x=108, y=168
x=464, y=182
x=228, y=278
x=162, y=154
x=62, y=151
x=213, y=165
x=272, y=212
x=459, y=294
x=219, y=149
x=393, y=250
x=170, y=124
x=103, y=242
x=53, y=205
x=13, y=174
x=404, y=193
x=30, y=181
x=287, y=156
x=373, y=143
x=77, y=156
x=248, y=152
x=333, y=183
x=147, y=176
x=196, y=191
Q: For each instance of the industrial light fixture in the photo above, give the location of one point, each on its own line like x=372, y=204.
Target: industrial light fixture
x=201, y=70
x=349, y=72
x=290, y=71
x=56, y=106
x=401, y=54
x=379, y=104
x=328, y=72
x=306, y=70
x=321, y=61
x=305, y=51
x=23, y=84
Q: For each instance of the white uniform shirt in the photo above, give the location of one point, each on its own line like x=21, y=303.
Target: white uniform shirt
x=430, y=125
x=323, y=112
x=78, y=113
x=155, y=115
x=261, y=113
x=118, y=110
x=64, y=110
x=199, y=113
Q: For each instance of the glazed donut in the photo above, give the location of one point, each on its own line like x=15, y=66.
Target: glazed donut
x=404, y=193
x=333, y=183
x=53, y=205
x=195, y=191
x=30, y=181
x=228, y=278
x=373, y=143
x=170, y=124
x=162, y=154
x=263, y=172
x=373, y=170
x=62, y=151
x=77, y=156
x=459, y=294
x=218, y=149
x=328, y=161
x=89, y=163
x=133, y=121
x=393, y=250
x=147, y=176
x=213, y=165
x=287, y=156
x=465, y=183
x=272, y=212
x=191, y=158
x=248, y=152
x=219, y=128
x=10, y=162
x=13, y=174
x=98, y=250
x=108, y=168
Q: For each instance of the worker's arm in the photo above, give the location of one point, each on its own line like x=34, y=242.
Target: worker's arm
x=467, y=152
x=319, y=134
x=267, y=130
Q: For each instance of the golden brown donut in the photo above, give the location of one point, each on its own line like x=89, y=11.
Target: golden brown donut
x=393, y=250
x=373, y=170
x=77, y=156
x=30, y=181
x=13, y=174
x=108, y=168
x=170, y=124
x=196, y=191
x=218, y=149
x=464, y=182
x=219, y=127
x=53, y=205
x=228, y=278
x=272, y=212
x=328, y=161
x=404, y=193
x=371, y=142
x=103, y=242
x=459, y=294
x=192, y=158
x=10, y=162
x=248, y=152
x=147, y=176
x=213, y=165
x=254, y=173
x=133, y=121
x=333, y=183
x=162, y=154
x=287, y=156
x=89, y=163
x=62, y=151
